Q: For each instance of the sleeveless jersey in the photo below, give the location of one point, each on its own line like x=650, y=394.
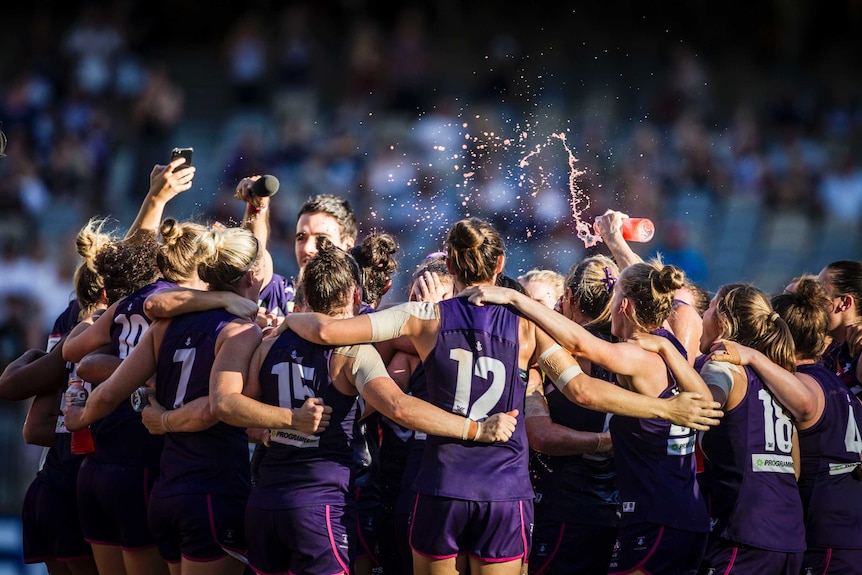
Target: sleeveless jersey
x=120, y=437
x=60, y=468
x=838, y=359
x=301, y=469
x=576, y=488
x=831, y=496
x=473, y=371
x=754, y=499
x=275, y=296
x=656, y=468
x=214, y=460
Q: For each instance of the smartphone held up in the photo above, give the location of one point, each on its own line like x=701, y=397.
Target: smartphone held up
x=185, y=153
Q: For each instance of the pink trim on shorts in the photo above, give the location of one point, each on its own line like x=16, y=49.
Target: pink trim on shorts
x=332, y=542
x=238, y=554
x=828, y=559
x=732, y=560
x=649, y=554
x=410, y=539
x=553, y=553
x=522, y=556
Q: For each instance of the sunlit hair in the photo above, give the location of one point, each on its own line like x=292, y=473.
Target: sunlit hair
x=804, y=311
x=177, y=257
x=551, y=277
x=846, y=279
x=592, y=282
x=226, y=256
x=745, y=315
x=330, y=278
x=89, y=285
x=89, y=288
x=376, y=256
x=332, y=205
x=127, y=265
x=473, y=247
x=650, y=286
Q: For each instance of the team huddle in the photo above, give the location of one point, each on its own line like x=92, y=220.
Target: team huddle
x=612, y=419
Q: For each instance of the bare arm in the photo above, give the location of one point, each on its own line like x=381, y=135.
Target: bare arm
x=177, y=301
x=33, y=373
x=192, y=416
x=610, y=228
x=98, y=366
x=256, y=220
x=89, y=335
x=687, y=409
x=132, y=372
x=41, y=423
x=686, y=376
x=548, y=437
x=569, y=334
x=363, y=369
x=687, y=325
x=234, y=387
x=165, y=184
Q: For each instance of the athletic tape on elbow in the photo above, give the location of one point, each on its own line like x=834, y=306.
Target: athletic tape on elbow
x=559, y=366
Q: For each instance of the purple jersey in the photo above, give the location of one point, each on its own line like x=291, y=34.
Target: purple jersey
x=214, y=460
x=831, y=496
x=656, y=468
x=474, y=371
x=576, y=488
x=301, y=469
x=277, y=296
x=60, y=468
x=120, y=437
x=837, y=358
x=753, y=495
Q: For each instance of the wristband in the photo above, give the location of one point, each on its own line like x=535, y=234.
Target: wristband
x=466, y=430
x=165, y=421
x=478, y=431
x=253, y=210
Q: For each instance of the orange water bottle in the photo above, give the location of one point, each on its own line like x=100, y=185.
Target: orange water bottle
x=76, y=394
x=636, y=229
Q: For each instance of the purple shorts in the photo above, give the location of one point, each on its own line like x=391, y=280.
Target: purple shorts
x=560, y=548
x=723, y=556
x=493, y=531
x=51, y=525
x=314, y=539
x=198, y=526
x=832, y=561
x=653, y=548
x=113, y=500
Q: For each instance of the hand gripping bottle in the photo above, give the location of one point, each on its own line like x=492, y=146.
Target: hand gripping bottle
x=636, y=229
x=76, y=394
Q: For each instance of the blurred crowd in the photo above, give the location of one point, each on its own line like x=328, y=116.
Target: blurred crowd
x=413, y=120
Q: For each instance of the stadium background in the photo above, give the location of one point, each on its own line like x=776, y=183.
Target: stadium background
x=735, y=126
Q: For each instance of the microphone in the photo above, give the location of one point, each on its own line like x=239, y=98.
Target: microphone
x=265, y=186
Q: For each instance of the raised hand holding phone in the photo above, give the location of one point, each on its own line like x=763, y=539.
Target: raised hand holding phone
x=185, y=153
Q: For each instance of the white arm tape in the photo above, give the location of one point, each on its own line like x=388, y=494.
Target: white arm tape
x=719, y=374
x=563, y=379
x=549, y=352
x=386, y=324
x=367, y=365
